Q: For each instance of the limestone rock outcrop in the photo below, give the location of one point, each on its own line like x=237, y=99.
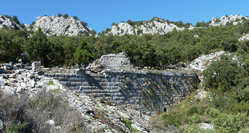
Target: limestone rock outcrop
x=234, y=19
x=161, y=26
x=6, y=22
x=201, y=63
x=154, y=26
x=65, y=26
x=244, y=37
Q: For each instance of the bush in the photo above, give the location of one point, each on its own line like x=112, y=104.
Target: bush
x=18, y=127
x=30, y=115
x=65, y=16
x=59, y=15
x=224, y=74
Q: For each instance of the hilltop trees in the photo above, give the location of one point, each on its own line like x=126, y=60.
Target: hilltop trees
x=38, y=48
x=11, y=45
x=145, y=50
x=83, y=54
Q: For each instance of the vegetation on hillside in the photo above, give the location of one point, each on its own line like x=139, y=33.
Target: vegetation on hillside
x=145, y=50
x=227, y=104
x=227, y=80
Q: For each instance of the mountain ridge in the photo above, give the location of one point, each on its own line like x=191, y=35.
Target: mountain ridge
x=71, y=26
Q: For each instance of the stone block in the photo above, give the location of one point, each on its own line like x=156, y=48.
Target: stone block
x=36, y=66
x=87, y=91
x=84, y=87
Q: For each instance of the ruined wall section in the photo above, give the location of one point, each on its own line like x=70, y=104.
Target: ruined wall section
x=150, y=90
x=112, y=61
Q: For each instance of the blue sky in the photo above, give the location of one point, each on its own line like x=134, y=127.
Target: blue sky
x=99, y=14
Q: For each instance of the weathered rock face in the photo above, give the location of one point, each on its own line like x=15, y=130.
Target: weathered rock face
x=201, y=63
x=234, y=19
x=160, y=26
x=54, y=25
x=154, y=26
x=111, y=61
x=244, y=37
x=6, y=22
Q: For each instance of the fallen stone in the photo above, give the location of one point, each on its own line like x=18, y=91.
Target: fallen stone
x=50, y=122
x=1, y=125
x=19, y=90
x=36, y=66
x=2, y=71
x=2, y=83
x=201, y=94
x=206, y=126
x=9, y=90
x=32, y=83
x=40, y=73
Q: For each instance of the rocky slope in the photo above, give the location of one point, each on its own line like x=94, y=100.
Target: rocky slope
x=154, y=26
x=7, y=22
x=65, y=26
x=161, y=26
x=234, y=19
x=72, y=26
x=98, y=116
x=244, y=37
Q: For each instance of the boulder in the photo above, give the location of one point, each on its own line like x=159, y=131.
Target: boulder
x=2, y=83
x=206, y=126
x=244, y=37
x=2, y=71
x=50, y=122
x=36, y=66
x=1, y=126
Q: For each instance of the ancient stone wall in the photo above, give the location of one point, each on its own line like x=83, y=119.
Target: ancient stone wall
x=112, y=61
x=151, y=90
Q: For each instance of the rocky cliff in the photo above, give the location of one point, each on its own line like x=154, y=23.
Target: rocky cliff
x=153, y=26
x=65, y=26
x=8, y=23
x=72, y=26
x=161, y=26
x=233, y=19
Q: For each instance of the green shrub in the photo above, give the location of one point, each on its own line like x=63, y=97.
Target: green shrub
x=172, y=119
x=224, y=74
x=18, y=127
x=128, y=123
x=65, y=16
x=59, y=15
x=222, y=101
x=50, y=82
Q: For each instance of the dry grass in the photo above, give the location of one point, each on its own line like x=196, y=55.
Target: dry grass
x=36, y=111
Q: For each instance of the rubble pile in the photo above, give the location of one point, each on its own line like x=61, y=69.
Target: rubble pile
x=99, y=116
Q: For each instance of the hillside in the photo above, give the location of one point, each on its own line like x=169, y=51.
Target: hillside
x=161, y=26
x=61, y=26
x=9, y=22
x=216, y=51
